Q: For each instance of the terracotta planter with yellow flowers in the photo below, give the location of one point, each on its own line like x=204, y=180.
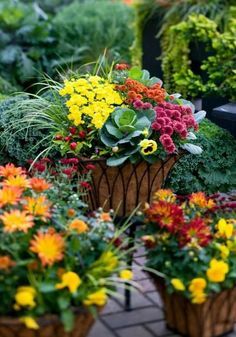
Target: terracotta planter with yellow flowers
x=191, y=254
x=57, y=266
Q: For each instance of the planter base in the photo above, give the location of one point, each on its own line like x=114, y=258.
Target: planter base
x=50, y=326
x=214, y=318
x=125, y=187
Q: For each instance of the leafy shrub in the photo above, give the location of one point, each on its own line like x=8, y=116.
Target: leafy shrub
x=214, y=170
x=17, y=146
x=26, y=42
x=95, y=28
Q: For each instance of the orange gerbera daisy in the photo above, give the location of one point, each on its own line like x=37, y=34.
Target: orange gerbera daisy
x=48, y=246
x=165, y=194
x=16, y=220
x=79, y=226
x=6, y=262
x=39, y=206
x=39, y=184
x=200, y=199
x=10, y=170
x=9, y=195
x=20, y=181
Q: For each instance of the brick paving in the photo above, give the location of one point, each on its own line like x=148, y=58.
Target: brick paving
x=146, y=319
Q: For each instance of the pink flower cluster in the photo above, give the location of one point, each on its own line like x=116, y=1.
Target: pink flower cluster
x=140, y=105
x=173, y=119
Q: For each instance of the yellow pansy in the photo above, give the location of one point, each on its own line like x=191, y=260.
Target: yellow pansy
x=217, y=270
x=224, y=251
x=148, y=146
x=98, y=298
x=126, y=274
x=197, y=285
x=199, y=298
x=69, y=280
x=225, y=229
x=177, y=284
x=25, y=297
x=29, y=322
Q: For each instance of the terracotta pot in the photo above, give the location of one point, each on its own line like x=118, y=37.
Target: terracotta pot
x=50, y=326
x=215, y=317
x=124, y=187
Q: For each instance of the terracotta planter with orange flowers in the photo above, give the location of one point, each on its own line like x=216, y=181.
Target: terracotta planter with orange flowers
x=49, y=326
x=125, y=187
x=215, y=317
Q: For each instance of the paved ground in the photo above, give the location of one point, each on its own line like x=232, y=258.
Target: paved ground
x=145, y=320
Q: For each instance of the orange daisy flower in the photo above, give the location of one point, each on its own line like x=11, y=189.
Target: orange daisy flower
x=10, y=170
x=6, y=262
x=165, y=194
x=105, y=217
x=79, y=226
x=48, y=246
x=166, y=215
x=9, y=195
x=200, y=199
x=16, y=220
x=17, y=181
x=39, y=184
x=39, y=206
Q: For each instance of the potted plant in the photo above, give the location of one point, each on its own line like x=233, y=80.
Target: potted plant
x=191, y=251
x=57, y=266
x=124, y=123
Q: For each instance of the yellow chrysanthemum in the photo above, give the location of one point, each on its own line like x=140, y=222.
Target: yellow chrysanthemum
x=126, y=274
x=29, y=322
x=91, y=97
x=199, y=298
x=217, y=270
x=177, y=284
x=39, y=207
x=98, y=298
x=148, y=146
x=69, y=280
x=224, y=251
x=49, y=246
x=16, y=220
x=25, y=297
x=199, y=199
x=79, y=226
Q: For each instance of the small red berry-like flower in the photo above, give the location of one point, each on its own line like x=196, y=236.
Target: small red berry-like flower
x=85, y=185
x=90, y=167
x=67, y=139
x=73, y=130
x=122, y=66
x=73, y=146
x=58, y=137
x=82, y=134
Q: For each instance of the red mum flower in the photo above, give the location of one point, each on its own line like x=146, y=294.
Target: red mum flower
x=166, y=215
x=196, y=233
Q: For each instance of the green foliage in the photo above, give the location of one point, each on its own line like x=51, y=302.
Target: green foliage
x=94, y=28
x=26, y=43
x=219, y=67
x=18, y=144
x=214, y=170
x=6, y=87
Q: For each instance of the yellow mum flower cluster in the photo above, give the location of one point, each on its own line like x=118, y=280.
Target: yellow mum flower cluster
x=196, y=288
x=92, y=97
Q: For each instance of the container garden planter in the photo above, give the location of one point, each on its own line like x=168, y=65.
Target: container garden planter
x=191, y=255
x=49, y=326
x=215, y=317
x=57, y=265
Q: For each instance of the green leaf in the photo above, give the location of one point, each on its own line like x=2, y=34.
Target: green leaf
x=112, y=130
x=135, y=73
x=68, y=319
x=106, y=140
x=145, y=75
x=63, y=302
x=127, y=128
x=125, y=117
x=114, y=161
x=9, y=54
x=46, y=287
